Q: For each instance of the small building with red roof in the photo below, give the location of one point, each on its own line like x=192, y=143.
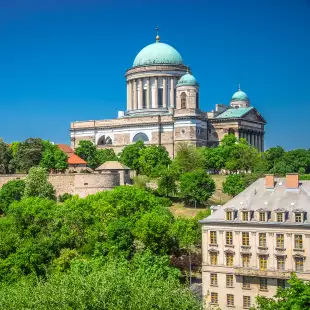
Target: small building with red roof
x=76, y=163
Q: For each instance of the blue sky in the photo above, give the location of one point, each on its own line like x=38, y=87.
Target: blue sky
x=65, y=60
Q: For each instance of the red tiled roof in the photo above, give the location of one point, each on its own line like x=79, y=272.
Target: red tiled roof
x=76, y=160
x=66, y=149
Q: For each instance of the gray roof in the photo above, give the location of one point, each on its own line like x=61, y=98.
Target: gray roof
x=257, y=198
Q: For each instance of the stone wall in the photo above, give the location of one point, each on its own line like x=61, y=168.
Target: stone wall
x=81, y=184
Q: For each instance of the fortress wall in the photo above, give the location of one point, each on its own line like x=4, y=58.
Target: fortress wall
x=81, y=184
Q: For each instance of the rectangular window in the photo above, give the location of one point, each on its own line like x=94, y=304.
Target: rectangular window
x=245, y=216
x=281, y=263
x=213, y=279
x=246, y=283
x=246, y=302
x=280, y=241
x=299, y=264
x=263, y=259
x=229, y=280
x=263, y=284
x=298, y=217
x=229, y=259
x=245, y=238
x=213, y=237
x=262, y=239
x=214, y=298
x=213, y=258
x=229, y=238
x=144, y=98
x=262, y=216
x=281, y=283
x=245, y=260
x=229, y=216
x=298, y=241
x=160, y=97
x=280, y=217
x=230, y=300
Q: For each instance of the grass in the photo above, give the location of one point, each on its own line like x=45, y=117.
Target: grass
x=179, y=209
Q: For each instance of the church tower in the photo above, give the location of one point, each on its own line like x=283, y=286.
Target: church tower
x=187, y=92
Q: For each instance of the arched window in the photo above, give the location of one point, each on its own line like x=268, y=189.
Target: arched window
x=140, y=137
x=183, y=101
x=108, y=140
x=104, y=140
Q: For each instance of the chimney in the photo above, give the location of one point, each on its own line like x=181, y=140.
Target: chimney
x=292, y=181
x=269, y=181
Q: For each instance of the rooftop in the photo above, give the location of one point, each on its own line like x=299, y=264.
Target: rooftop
x=66, y=149
x=235, y=112
x=76, y=160
x=259, y=198
x=112, y=165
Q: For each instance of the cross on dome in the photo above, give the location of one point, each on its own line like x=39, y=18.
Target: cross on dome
x=157, y=35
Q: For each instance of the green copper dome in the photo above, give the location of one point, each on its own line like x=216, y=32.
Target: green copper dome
x=158, y=53
x=187, y=80
x=240, y=96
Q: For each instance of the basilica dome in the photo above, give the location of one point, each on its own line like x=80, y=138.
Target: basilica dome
x=240, y=96
x=187, y=80
x=158, y=54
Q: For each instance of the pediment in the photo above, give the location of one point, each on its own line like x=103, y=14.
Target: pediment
x=253, y=116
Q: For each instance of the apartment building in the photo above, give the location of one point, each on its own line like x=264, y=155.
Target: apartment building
x=252, y=244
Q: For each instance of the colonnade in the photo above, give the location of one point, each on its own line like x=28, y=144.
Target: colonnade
x=150, y=99
x=255, y=138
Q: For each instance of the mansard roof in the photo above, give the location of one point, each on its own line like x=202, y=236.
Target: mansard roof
x=258, y=198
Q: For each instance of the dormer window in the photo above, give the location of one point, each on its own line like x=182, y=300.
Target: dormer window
x=229, y=215
x=245, y=215
x=298, y=217
x=280, y=217
x=262, y=216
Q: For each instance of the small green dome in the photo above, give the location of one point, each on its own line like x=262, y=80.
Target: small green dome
x=158, y=53
x=240, y=96
x=187, y=80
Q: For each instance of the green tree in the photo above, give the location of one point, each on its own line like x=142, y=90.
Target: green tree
x=103, y=155
x=37, y=185
x=152, y=159
x=11, y=191
x=61, y=160
x=196, y=186
x=188, y=158
x=234, y=184
x=296, y=297
x=213, y=158
x=5, y=158
x=187, y=233
x=87, y=151
x=130, y=155
x=152, y=229
x=167, y=184
x=146, y=282
x=229, y=140
x=29, y=154
x=53, y=158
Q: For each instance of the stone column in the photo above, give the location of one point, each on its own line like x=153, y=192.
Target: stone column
x=148, y=93
x=172, y=103
x=129, y=95
x=156, y=93
x=135, y=105
x=164, y=92
x=255, y=139
x=263, y=147
x=140, y=101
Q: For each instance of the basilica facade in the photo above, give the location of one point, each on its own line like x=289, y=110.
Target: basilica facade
x=163, y=108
